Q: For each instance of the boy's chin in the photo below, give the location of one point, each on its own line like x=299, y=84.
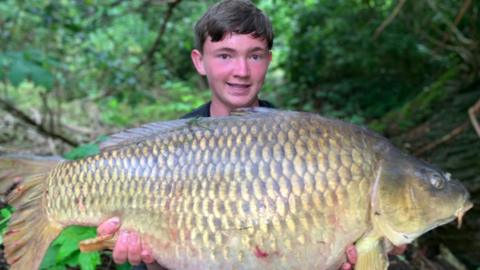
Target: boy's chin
x=242, y=103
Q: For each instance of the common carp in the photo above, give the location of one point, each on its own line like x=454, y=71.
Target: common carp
x=260, y=189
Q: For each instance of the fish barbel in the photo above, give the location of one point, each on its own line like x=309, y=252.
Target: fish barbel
x=260, y=189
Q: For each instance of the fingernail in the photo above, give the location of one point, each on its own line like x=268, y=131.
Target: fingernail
x=115, y=221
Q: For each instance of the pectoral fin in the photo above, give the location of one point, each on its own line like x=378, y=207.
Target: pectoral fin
x=98, y=243
x=372, y=254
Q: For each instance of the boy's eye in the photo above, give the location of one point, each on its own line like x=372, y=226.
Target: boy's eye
x=256, y=56
x=224, y=56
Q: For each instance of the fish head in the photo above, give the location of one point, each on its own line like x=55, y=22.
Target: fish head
x=411, y=197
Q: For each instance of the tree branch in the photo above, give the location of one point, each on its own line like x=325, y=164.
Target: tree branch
x=454, y=133
x=149, y=56
x=389, y=20
x=458, y=18
x=463, y=9
x=453, y=27
x=40, y=128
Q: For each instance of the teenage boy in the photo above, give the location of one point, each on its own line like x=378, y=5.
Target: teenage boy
x=233, y=42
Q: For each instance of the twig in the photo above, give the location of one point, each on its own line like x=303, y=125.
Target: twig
x=466, y=4
x=24, y=117
x=463, y=9
x=453, y=28
x=472, y=112
x=462, y=51
x=454, y=133
x=389, y=20
x=149, y=56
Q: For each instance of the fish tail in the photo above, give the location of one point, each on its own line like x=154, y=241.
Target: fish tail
x=30, y=231
x=15, y=168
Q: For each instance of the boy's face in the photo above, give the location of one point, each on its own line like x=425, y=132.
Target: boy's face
x=235, y=68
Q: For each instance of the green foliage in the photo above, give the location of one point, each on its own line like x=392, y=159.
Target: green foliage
x=82, y=151
x=343, y=72
x=64, y=251
x=86, y=150
x=418, y=108
x=18, y=67
x=5, y=215
x=177, y=99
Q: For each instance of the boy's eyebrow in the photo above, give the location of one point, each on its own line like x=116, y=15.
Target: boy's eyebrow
x=224, y=49
x=227, y=49
x=255, y=49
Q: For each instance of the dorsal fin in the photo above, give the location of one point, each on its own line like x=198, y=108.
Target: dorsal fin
x=143, y=132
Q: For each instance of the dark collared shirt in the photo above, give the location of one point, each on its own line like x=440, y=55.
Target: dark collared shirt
x=204, y=110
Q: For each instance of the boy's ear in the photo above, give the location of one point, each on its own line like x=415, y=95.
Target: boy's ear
x=197, y=59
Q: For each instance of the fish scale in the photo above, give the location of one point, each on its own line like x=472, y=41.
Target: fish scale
x=256, y=190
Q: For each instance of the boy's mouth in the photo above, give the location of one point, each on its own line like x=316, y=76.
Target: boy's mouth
x=238, y=85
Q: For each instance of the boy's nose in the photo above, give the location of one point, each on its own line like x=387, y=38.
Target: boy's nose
x=241, y=68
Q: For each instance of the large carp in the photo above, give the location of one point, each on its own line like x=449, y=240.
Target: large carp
x=260, y=189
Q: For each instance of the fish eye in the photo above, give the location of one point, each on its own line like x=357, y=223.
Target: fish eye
x=437, y=181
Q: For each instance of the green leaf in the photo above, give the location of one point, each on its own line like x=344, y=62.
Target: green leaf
x=83, y=151
x=50, y=259
x=64, y=250
x=70, y=260
x=56, y=267
x=41, y=76
x=67, y=248
x=89, y=260
x=6, y=214
x=18, y=72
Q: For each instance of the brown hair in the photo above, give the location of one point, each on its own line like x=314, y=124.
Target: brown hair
x=233, y=16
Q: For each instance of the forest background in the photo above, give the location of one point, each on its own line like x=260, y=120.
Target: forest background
x=72, y=72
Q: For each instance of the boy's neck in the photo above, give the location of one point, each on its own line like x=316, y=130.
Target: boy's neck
x=218, y=108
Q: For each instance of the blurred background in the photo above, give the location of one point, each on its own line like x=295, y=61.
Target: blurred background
x=72, y=72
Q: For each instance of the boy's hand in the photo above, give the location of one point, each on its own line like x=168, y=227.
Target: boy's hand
x=351, y=253
x=128, y=246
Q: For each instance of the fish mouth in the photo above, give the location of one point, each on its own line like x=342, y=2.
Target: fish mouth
x=461, y=212
x=467, y=205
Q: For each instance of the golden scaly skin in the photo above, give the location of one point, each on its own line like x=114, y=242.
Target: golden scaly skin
x=260, y=191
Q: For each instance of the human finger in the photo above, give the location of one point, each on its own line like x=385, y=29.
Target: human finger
x=351, y=252
x=346, y=266
x=146, y=255
x=120, y=252
x=134, y=249
x=110, y=226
